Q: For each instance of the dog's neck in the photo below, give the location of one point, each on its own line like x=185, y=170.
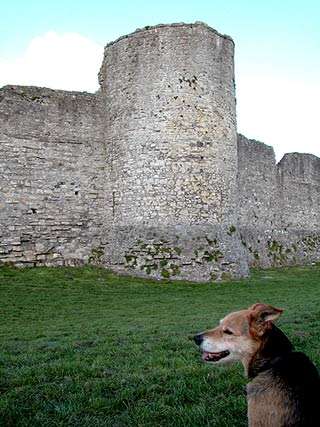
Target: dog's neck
x=274, y=344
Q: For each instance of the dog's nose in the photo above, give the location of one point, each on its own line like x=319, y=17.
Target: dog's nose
x=198, y=339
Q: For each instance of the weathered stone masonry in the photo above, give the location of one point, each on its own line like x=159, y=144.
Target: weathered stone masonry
x=279, y=205
x=52, y=189
x=147, y=176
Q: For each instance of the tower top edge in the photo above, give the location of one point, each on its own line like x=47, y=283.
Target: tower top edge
x=179, y=25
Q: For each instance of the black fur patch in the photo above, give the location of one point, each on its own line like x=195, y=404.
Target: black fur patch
x=294, y=374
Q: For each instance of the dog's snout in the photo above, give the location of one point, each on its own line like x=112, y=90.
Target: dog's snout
x=198, y=339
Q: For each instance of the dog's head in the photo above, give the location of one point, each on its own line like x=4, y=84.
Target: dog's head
x=238, y=335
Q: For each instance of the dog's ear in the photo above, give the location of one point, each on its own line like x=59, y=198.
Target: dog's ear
x=261, y=317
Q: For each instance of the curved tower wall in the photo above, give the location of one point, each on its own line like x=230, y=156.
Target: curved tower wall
x=171, y=133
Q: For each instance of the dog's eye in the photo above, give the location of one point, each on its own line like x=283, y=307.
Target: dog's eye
x=227, y=331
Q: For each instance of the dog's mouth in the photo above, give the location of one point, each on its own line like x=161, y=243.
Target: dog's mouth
x=214, y=357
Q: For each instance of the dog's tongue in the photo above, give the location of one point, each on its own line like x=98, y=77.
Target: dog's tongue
x=214, y=357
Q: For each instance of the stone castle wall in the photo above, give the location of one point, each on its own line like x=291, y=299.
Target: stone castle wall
x=52, y=166
x=257, y=181
x=299, y=186
x=147, y=176
x=279, y=205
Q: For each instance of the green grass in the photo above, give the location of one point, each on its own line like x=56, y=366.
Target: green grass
x=82, y=347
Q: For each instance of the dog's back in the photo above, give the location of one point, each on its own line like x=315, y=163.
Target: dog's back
x=286, y=393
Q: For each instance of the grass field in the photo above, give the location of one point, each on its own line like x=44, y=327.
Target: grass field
x=82, y=347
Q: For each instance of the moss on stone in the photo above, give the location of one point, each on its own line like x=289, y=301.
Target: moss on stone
x=96, y=255
x=164, y=249
x=163, y=262
x=232, y=229
x=175, y=269
x=131, y=260
x=148, y=268
x=226, y=276
x=213, y=256
x=165, y=274
x=311, y=242
x=274, y=246
x=213, y=276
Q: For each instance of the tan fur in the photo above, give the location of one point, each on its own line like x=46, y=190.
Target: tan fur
x=241, y=341
x=246, y=328
x=263, y=394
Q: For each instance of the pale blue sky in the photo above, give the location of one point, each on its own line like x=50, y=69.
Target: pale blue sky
x=277, y=52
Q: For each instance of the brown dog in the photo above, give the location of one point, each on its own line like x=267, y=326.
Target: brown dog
x=285, y=386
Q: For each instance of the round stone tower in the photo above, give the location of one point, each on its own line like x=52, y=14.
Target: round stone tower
x=169, y=95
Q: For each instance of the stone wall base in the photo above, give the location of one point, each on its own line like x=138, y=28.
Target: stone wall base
x=195, y=253
x=279, y=248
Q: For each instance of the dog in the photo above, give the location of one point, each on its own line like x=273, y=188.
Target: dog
x=285, y=385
